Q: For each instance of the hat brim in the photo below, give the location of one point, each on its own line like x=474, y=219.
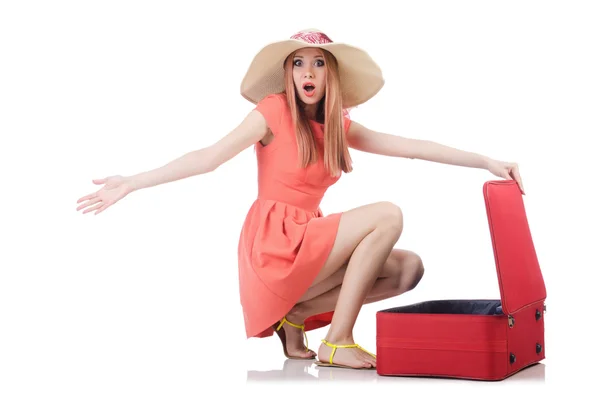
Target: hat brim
x=360, y=76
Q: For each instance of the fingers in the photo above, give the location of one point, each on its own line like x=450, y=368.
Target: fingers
x=517, y=177
x=88, y=197
x=510, y=171
x=93, y=200
x=92, y=195
x=94, y=203
x=104, y=206
x=95, y=207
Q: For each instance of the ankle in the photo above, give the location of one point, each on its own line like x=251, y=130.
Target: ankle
x=296, y=315
x=339, y=338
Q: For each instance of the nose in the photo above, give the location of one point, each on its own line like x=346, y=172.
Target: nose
x=308, y=74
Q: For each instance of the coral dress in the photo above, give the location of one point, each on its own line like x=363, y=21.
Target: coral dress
x=285, y=238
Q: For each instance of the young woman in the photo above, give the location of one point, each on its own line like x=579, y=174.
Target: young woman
x=299, y=269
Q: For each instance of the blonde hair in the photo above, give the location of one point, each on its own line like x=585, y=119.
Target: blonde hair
x=336, y=154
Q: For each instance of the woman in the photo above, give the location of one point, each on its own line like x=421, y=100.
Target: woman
x=299, y=269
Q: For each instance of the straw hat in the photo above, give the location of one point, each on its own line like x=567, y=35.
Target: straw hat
x=360, y=76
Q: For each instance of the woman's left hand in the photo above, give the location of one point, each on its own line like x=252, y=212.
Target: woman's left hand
x=506, y=170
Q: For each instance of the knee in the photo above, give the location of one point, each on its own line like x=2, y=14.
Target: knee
x=417, y=270
x=392, y=216
x=411, y=272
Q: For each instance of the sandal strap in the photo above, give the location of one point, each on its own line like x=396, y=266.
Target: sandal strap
x=285, y=320
x=335, y=347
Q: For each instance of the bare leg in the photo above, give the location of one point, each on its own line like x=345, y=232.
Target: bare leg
x=365, y=265
x=401, y=272
x=364, y=242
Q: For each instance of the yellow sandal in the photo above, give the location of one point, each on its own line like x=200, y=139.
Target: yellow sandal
x=334, y=347
x=283, y=338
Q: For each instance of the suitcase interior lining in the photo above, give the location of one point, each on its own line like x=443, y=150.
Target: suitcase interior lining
x=457, y=306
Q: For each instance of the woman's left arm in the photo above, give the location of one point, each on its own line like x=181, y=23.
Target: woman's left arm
x=366, y=140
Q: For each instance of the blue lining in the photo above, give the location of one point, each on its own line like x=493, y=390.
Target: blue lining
x=452, y=306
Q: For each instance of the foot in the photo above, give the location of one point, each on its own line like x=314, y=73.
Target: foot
x=294, y=337
x=352, y=357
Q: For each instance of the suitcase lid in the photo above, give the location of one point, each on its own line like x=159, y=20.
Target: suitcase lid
x=519, y=274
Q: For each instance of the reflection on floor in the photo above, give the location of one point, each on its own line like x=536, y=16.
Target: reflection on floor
x=304, y=370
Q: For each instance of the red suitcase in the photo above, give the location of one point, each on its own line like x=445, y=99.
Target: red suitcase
x=478, y=339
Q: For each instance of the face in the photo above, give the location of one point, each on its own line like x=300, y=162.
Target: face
x=309, y=75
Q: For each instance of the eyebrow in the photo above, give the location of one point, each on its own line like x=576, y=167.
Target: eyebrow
x=300, y=56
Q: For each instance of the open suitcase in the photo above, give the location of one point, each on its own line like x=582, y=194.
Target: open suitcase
x=478, y=339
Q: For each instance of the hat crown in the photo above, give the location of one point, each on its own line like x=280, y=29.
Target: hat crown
x=312, y=36
x=360, y=77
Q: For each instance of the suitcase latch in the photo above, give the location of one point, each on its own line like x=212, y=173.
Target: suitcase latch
x=511, y=321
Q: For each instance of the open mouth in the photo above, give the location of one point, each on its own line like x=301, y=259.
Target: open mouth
x=309, y=89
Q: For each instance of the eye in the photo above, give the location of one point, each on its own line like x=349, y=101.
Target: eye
x=297, y=62
x=320, y=62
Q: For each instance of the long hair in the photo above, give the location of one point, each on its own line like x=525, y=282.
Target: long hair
x=336, y=155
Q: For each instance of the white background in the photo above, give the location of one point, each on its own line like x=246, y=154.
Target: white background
x=143, y=298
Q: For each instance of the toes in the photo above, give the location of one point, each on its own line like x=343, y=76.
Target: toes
x=369, y=363
x=373, y=362
x=309, y=354
x=370, y=360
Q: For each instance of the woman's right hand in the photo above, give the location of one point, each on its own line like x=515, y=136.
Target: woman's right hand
x=115, y=188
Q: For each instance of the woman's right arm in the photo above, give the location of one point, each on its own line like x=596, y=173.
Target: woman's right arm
x=251, y=130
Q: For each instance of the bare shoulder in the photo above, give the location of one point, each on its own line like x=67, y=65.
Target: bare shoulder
x=251, y=129
x=248, y=132
x=358, y=134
